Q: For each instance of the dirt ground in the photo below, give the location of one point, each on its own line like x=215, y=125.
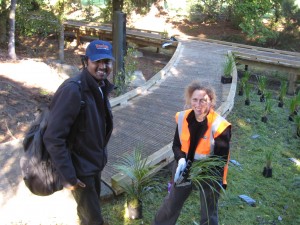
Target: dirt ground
x=20, y=102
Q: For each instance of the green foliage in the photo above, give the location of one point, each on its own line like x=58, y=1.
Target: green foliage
x=269, y=155
x=88, y=10
x=269, y=104
x=262, y=83
x=244, y=80
x=206, y=11
x=123, y=79
x=139, y=6
x=293, y=105
x=290, y=11
x=39, y=22
x=228, y=65
x=249, y=17
x=138, y=171
x=206, y=171
x=297, y=121
x=247, y=90
x=283, y=90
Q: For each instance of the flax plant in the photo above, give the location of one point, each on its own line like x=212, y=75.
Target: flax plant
x=243, y=82
x=262, y=83
x=247, y=92
x=207, y=170
x=282, y=93
x=139, y=180
x=228, y=65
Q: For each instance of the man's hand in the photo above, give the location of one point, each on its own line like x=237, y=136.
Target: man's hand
x=79, y=184
x=180, y=167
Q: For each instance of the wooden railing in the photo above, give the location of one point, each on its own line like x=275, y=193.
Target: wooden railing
x=93, y=30
x=291, y=67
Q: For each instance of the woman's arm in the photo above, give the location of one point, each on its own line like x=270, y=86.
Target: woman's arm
x=178, y=154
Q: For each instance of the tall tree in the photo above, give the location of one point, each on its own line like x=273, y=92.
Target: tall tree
x=3, y=21
x=61, y=8
x=12, y=27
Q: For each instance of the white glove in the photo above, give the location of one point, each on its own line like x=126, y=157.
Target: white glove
x=180, y=167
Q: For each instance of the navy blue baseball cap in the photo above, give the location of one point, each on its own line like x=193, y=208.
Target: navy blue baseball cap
x=98, y=50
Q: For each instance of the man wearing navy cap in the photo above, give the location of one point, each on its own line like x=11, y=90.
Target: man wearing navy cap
x=79, y=127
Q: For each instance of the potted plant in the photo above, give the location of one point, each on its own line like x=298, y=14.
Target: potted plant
x=139, y=181
x=228, y=69
x=267, y=172
x=247, y=93
x=282, y=93
x=262, y=81
x=268, y=107
x=293, y=108
x=243, y=82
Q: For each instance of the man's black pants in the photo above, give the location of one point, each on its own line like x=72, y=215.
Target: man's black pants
x=88, y=204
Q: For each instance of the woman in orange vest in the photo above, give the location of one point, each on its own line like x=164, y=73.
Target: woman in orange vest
x=200, y=133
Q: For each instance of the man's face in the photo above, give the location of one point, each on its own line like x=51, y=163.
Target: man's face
x=100, y=69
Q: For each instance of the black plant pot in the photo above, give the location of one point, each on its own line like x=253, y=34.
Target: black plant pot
x=267, y=172
x=280, y=104
x=264, y=119
x=247, y=102
x=259, y=92
x=262, y=98
x=135, y=213
x=226, y=80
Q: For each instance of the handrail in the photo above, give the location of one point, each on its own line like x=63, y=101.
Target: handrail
x=123, y=99
x=139, y=36
x=267, y=59
x=297, y=54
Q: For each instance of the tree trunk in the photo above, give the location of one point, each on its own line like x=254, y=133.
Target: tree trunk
x=61, y=32
x=61, y=43
x=118, y=5
x=12, y=22
x=3, y=21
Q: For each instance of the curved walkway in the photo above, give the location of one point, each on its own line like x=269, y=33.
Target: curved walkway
x=144, y=116
x=148, y=119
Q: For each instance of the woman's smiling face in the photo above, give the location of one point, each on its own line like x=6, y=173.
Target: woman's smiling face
x=200, y=103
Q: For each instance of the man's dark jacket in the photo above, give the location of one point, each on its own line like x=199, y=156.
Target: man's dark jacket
x=88, y=155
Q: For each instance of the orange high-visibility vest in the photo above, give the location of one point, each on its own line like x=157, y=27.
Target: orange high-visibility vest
x=216, y=125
